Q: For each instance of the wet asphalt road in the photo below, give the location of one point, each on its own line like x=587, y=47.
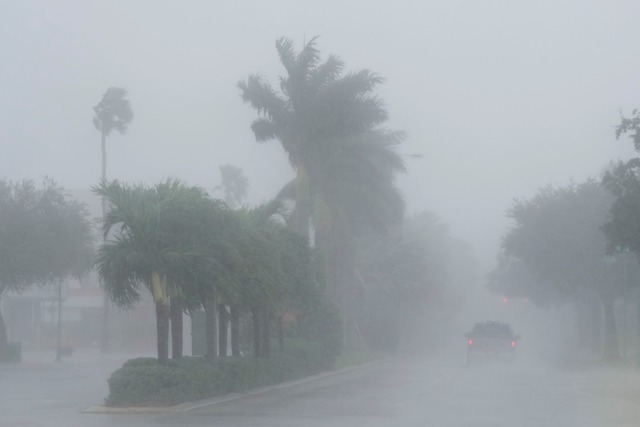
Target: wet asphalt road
x=412, y=392
x=404, y=391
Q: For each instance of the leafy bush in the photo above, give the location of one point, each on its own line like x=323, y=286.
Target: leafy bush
x=145, y=382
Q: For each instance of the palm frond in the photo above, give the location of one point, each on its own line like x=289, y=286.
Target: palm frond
x=287, y=54
x=262, y=97
x=326, y=73
x=122, y=270
x=264, y=129
x=356, y=84
x=307, y=59
x=113, y=111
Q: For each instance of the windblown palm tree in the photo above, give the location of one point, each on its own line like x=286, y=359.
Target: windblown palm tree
x=113, y=112
x=157, y=242
x=328, y=123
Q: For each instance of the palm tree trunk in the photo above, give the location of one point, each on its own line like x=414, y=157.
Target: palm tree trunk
x=104, y=334
x=223, y=324
x=333, y=265
x=611, y=351
x=266, y=333
x=176, y=327
x=255, y=314
x=301, y=214
x=637, y=329
x=342, y=268
x=280, y=333
x=104, y=166
x=300, y=221
x=4, y=342
x=210, y=321
x=162, y=330
x=234, y=314
x=594, y=321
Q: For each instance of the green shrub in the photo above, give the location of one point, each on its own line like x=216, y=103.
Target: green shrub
x=140, y=361
x=145, y=382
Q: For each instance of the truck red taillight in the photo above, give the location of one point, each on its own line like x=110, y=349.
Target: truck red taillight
x=470, y=342
x=513, y=343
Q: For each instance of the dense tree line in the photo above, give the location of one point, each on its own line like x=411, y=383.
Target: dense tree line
x=192, y=252
x=556, y=252
x=572, y=244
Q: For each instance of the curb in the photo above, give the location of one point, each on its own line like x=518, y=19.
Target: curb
x=130, y=409
x=192, y=406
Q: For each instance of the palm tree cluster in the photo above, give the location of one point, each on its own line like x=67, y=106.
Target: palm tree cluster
x=191, y=251
x=329, y=124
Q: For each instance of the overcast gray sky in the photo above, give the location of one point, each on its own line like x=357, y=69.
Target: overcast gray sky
x=500, y=97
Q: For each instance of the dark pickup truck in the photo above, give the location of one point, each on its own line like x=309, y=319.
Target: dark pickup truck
x=491, y=339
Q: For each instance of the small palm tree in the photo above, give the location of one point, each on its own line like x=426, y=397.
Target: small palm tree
x=156, y=243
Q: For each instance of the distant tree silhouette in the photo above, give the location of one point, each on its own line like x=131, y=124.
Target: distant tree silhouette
x=113, y=112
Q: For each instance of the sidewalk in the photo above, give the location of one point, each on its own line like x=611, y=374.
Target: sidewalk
x=39, y=390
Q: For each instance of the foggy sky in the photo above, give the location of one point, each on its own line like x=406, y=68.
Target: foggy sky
x=500, y=97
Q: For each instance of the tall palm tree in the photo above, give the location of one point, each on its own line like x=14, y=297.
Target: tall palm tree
x=113, y=112
x=328, y=123
x=317, y=108
x=156, y=243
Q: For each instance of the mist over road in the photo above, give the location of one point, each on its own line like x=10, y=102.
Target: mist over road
x=409, y=391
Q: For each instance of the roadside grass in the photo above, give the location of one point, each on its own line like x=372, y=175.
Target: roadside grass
x=350, y=358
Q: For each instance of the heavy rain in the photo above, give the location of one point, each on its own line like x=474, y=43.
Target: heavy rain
x=296, y=213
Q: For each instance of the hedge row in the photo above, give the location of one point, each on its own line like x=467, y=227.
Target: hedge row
x=145, y=382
